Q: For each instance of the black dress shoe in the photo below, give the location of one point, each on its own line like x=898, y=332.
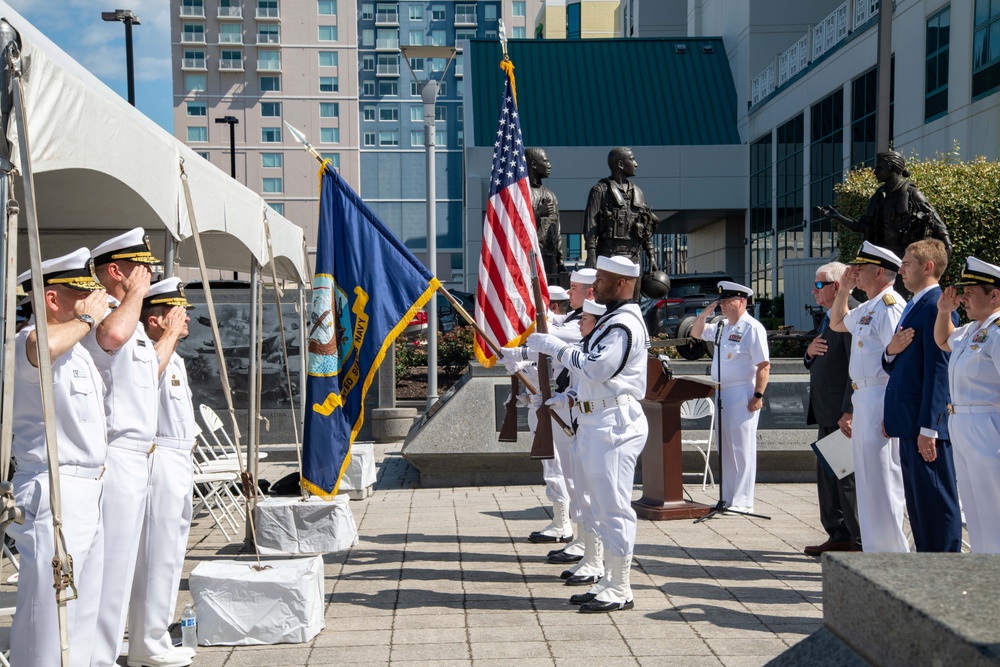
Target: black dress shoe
x=556, y=551
x=563, y=558
x=580, y=580
x=582, y=598
x=598, y=607
x=539, y=537
x=566, y=574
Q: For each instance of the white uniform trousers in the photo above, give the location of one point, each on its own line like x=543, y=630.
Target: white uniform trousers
x=558, y=478
x=34, y=634
x=161, y=551
x=127, y=484
x=611, y=441
x=581, y=509
x=877, y=475
x=738, y=452
x=975, y=440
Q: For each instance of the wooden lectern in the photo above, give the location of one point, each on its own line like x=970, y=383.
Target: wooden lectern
x=662, y=483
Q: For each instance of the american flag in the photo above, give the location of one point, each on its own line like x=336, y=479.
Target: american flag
x=505, y=308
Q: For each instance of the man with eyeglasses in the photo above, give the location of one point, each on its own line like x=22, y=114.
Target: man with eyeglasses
x=830, y=392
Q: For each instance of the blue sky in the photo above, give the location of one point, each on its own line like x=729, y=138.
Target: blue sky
x=76, y=26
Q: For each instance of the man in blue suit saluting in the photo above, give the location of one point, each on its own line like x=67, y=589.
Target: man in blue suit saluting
x=916, y=400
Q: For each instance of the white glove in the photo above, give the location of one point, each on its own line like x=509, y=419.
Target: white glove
x=559, y=400
x=534, y=401
x=512, y=365
x=546, y=344
x=523, y=400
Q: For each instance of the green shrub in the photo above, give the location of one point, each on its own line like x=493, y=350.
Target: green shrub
x=409, y=355
x=455, y=350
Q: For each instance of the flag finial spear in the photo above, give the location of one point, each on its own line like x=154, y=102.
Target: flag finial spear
x=502, y=32
x=301, y=138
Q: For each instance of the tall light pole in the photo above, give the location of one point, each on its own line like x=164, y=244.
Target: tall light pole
x=428, y=94
x=128, y=17
x=232, y=122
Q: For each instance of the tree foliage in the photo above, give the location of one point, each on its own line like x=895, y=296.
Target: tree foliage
x=965, y=194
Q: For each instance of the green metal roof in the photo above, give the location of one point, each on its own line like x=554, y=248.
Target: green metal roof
x=608, y=92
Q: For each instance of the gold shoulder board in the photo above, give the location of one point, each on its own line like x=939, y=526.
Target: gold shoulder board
x=889, y=300
x=996, y=322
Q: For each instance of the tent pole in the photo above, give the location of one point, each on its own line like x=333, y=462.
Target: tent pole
x=252, y=406
x=8, y=278
x=171, y=249
x=303, y=366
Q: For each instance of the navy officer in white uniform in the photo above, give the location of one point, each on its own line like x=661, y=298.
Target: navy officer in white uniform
x=74, y=304
x=611, y=380
x=974, y=385
x=130, y=368
x=168, y=507
x=743, y=362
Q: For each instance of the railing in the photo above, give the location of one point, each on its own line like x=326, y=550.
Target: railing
x=465, y=18
x=192, y=11
x=227, y=38
x=762, y=85
x=232, y=64
x=830, y=32
x=267, y=13
x=386, y=16
x=794, y=60
x=268, y=65
x=192, y=38
x=387, y=69
x=231, y=12
x=268, y=38
x=387, y=43
x=193, y=63
x=864, y=10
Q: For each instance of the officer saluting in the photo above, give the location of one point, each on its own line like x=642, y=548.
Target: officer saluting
x=745, y=367
x=877, y=472
x=129, y=365
x=611, y=380
x=74, y=303
x=974, y=384
x=168, y=508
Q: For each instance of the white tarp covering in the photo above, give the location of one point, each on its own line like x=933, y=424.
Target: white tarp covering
x=360, y=474
x=240, y=606
x=287, y=525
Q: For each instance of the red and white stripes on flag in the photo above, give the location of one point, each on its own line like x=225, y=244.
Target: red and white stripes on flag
x=505, y=306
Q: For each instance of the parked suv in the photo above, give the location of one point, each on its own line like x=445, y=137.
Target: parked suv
x=674, y=314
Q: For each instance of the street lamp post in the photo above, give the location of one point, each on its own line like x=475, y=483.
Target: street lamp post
x=232, y=122
x=428, y=94
x=128, y=17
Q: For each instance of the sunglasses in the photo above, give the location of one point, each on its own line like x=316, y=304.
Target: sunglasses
x=821, y=284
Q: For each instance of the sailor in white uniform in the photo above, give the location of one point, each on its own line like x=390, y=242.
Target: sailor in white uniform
x=611, y=380
x=130, y=368
x=743, y=362
x=877, y=471
x=974, y=386
x=168, y=507
x=75, y=302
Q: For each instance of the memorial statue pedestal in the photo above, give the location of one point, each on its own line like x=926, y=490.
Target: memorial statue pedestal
x=662, y=483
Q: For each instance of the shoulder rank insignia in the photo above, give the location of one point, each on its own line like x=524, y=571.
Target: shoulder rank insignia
x=996, y=322
x=888, y=299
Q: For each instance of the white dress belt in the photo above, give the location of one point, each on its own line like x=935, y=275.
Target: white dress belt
x=587, y=407
x=973, y=409
x=186, y=444
x=870, y=382
x=85, y=472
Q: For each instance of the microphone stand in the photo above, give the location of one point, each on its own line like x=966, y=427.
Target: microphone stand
x=721, y=507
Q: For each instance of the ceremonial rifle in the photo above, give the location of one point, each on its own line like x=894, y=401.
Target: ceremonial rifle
x=508, y=432
x=541, y=446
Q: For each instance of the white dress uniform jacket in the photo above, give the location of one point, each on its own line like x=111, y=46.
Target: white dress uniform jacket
x=130, y=406
x=78, y=397
x=878, y=475
x=742, y=346
x=557, y=473
x=974, y=426
x=168, y=517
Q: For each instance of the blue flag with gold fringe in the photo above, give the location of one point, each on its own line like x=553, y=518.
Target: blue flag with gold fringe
x=366, y=290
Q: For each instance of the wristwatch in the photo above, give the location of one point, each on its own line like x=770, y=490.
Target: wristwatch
x=757, y=394
x=87, y=319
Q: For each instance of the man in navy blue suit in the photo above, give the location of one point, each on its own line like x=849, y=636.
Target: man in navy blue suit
x=916, y=400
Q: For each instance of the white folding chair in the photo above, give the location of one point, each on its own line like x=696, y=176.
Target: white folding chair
x=214, y=426
x=699, y=408
x=212, y=491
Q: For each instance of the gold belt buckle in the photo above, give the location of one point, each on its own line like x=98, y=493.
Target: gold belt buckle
x=951, y=409
x=587, y=407
x=854, y=386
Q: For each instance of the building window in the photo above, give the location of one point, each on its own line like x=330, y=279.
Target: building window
x=490, y=34
x=328, y=33
x=197, y=134
x=863, y=117
x=387, y=38
x=329, y=109
x=334, y=159
x=267, y=9
x=197, y=109
x=936, y=71
x=194, y=59
x=416, y=38
x=369, y=139
x=760, y=216
x=388, y=138
x=268, y=60
x=386, y=13
x=367, y=11
x=438, y=64
x=367, y=87
x=270, y=84
x=443, y=88
x=416, y=12
x=270, y=109
x=203, y=154
x=460, y=137
x=329, y=135
x=367, y=37
x=437, y=37
x=520, y=32
x=271, y=160
x=268, y=33
x=416, y=113
x=368, y=63
x=278, y=207
x=491, y=12
x=465, y=13
x=790, y=223
x=329, y=84
x=464, y=33
x=328, y=59
x=416, y=137
x=231, y=60
x=230, y=33
x=327, y=7
x=193, y=33
x=388, y=63
x=388, y=113
x=440, y=113
x=826, y=166
x=437, y=13
x=270, y=135
x=573, y=21
x=193, y=8
x=417, y=64
x=194, y=83
x=368, y=112
x=271, y=185
x=388, y=88
x=460, y=115
x=518, y=8
x=986, y=48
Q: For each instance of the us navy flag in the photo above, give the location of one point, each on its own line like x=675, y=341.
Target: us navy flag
x=367, y=288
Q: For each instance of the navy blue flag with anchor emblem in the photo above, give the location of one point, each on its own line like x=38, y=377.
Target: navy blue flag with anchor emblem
x=366, y=290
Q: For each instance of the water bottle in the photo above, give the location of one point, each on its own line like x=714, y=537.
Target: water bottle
x=189, y=628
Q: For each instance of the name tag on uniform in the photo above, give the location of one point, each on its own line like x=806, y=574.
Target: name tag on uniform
x=80, y=374
x=175, y=382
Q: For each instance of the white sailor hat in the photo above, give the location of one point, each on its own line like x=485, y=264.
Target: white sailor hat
x=166, y=292
x=75, y=270
x=873, y=254
x=594, y=308
x=978, y=272
x=132, y=246
x=557, y=293
x=618, y=265
x=583, y=276
x=728, y=288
